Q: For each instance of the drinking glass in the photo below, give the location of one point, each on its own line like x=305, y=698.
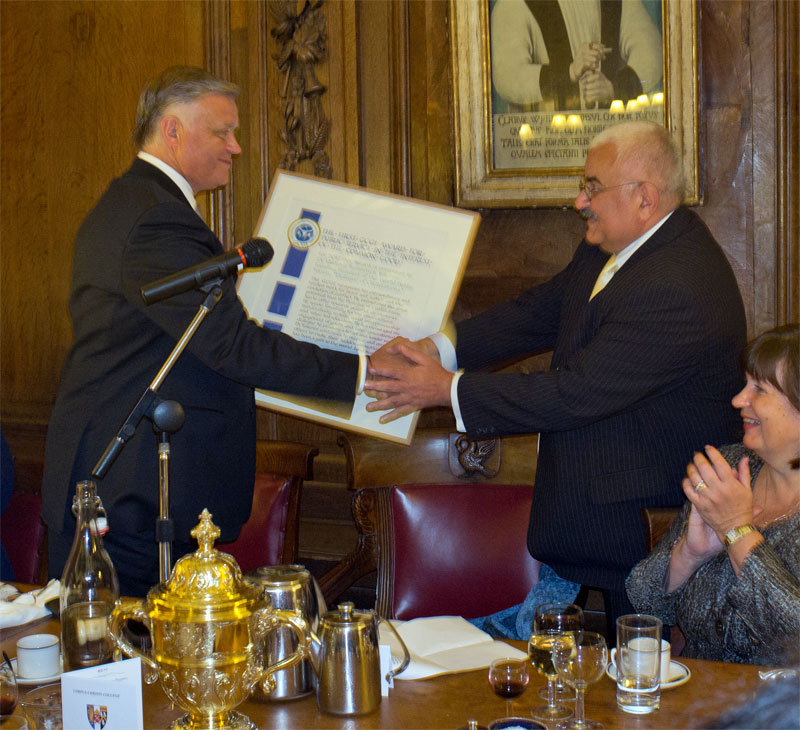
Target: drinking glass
x=540, y=647
x=9, y=692
x=558, y=618
x=509, y=678
x=580, y=658
x=638, y=659
x=13, y=722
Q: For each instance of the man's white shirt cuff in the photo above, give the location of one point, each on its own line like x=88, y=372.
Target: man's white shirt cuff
x=454, y=401
x=362, y=371
x=447, y=353
x=447, y=357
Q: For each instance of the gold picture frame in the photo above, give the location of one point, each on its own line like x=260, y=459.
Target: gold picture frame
x=480, y=183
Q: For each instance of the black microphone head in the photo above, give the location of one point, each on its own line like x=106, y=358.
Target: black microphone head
x=257, y=252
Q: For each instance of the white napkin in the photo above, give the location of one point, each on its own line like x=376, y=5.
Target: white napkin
x=20, y=608
x=444, y=645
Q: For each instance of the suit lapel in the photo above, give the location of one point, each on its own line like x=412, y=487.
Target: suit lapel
x=580, y=318
x=140, y=168
x=673, y=228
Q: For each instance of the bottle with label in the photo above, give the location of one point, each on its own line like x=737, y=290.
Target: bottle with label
x=89, y=586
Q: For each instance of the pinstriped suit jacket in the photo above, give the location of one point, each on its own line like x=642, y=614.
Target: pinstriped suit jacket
x=640, y=377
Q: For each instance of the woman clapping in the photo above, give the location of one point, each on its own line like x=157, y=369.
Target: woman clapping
x=727, y=572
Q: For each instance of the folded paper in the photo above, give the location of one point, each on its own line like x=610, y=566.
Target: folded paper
x=105, y=697
x=445, y=645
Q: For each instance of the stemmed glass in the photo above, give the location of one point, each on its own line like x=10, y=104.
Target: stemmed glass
x=580, y=658
x=9, y=693
x=557, y=618
x=540, y=647
x=509, y=678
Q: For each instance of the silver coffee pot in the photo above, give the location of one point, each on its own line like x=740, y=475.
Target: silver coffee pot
x=346, y=659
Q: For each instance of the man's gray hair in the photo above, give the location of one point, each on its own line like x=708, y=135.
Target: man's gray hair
x=653, y=149
x=177, y=84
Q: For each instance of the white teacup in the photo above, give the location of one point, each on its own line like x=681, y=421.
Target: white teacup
x=666, y=658
x=38, y=655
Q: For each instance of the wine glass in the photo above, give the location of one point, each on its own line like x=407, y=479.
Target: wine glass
x=580, y=658
x=9, y=692
x=557, y=618
x=540, y=647
x=509, y=678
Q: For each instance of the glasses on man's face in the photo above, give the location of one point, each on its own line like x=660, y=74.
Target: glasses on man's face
x=591, y=189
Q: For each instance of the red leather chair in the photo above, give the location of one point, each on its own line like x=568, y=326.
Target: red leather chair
x=24, y=537
x=455, y=549
x=451, y=547
x=270, y=535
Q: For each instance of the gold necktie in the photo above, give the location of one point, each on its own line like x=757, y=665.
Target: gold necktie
x=605, y=275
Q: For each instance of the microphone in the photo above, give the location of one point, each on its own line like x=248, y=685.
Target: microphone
x=256, y=252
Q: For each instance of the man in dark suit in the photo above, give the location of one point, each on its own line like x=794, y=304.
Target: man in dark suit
x=646, y=325
x=145, y=227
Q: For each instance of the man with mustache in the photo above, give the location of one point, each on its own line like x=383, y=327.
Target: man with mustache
x=646, y=324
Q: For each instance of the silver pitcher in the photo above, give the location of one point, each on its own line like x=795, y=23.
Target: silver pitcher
x=347, y=661
x=290, y=588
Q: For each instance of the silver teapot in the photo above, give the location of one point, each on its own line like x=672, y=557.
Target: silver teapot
x=347, y=661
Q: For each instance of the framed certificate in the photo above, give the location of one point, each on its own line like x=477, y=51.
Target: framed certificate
x=354, y=268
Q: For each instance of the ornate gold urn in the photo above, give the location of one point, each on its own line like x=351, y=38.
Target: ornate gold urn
x=208, y=629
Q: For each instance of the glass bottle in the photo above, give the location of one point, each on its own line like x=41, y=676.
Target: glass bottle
x=89, y=586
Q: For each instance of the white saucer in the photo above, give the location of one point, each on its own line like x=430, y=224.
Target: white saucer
x=36, y=680
x=680, y=674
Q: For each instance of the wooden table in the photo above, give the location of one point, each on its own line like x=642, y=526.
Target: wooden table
x=448, y=702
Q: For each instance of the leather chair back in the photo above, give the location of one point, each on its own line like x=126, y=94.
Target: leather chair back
x=442, y=522
x=24, y=537
x=261, y=540
x=458, y=549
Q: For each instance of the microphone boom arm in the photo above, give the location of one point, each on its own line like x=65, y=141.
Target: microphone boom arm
x=146, y=403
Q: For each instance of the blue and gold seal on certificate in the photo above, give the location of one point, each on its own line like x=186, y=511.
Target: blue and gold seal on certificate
x=304, y=232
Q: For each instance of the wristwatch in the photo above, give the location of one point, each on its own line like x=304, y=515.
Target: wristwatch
x=732, y=535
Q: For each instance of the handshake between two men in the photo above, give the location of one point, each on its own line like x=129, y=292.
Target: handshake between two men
x=405, y=376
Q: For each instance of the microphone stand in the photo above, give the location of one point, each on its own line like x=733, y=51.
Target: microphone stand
x=167, y=417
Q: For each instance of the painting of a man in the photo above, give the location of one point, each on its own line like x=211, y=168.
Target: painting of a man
x=561, y=55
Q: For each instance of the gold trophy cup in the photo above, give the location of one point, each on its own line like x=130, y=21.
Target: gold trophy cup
x=207, y=628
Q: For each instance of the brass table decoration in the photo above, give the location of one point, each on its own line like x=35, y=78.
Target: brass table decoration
x=208, y=627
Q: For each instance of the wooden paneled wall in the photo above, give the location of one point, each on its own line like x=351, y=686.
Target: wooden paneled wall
x=72, y=71
x=71, y=76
